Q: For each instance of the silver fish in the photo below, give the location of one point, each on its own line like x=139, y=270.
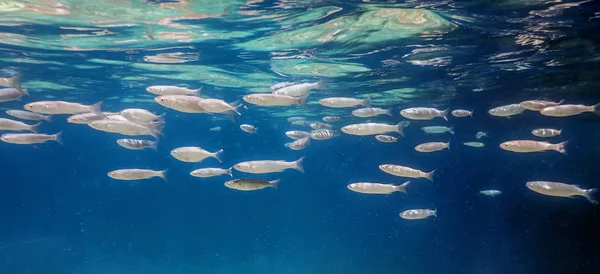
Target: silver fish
x=417, y=214
x=323, y=134
x=62, y=107
x=546, y=132
x=438, y=129
x=561, y=190
x=136, y=144
x=386, y=138
x=30, y=138
x=28, y=115
x=376, y=188
x=537, y=105
x=299, y=144
x=371, y=112
x=528, y=146
x=280, y=86
x=8, y=124
x=432, y=147
x=251, y=184
x=490, y=192
x=569, y=110
x=211, y=172
x=344, y=102
x=11, y=94
x=365, y=129
x=507, y=110
x=136, y=174
x=297, y=134
x=421, y=113
x=298, y=90
x=320, y=126
x=269, y=166
x=173, y=90
x=248, y=128
x=461, y=113
x=331, y=119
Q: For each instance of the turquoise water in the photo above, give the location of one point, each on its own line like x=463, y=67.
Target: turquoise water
x=61, y=212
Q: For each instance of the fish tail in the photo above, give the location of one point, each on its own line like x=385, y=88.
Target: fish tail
x=229, y=171
x=471, y=113
x=161, y=117
x=451, y=130
x=302, y=100
x=15, y=82
x=47, y=118
x=589, y=195
x=402, y=187
x=163, y=174
x=562, y=147
x=596, y=109
x=388, y=112
x=429, y=175
x=198, y=91
x=560, y=132
x=448, y=145
x=321, y=84
x=445, y=114
x=96, y=108
x=435, y=213
x=154, y=145
x=561, y=101
x=400, y=128
x=217, y=155
x=156, y=129
x=231, y=115
x=367, y=102
x=58, y=137
x=298, y=165
x=34, y=128
x=274, y=184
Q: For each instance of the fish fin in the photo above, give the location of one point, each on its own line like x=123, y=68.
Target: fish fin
x=448, y=145
x=562, y=147
x=388, y=112
x=217, y=155
x=230, y=171
x=58, y=137
x=471, y=114
x=400, y=128
x=275, y=184
x=367, y=102
x=589, y=195
x=235, y=104
x=15, y=82
x=451, y=130
x=298, y=164
x=561, y=101
x=445, y=114
x=47, y=118
x=34, y=128
x=302, y=100
x=198, y=91
x=163, y=174
x=230, y=115
x=156, y=129
x=154, y=145
x=162, y=117
x=597, y=109
x=96, y=108
x=25, y=92
x=435, y=213
x=402, y=187
x=322, y=84
x=429, y=175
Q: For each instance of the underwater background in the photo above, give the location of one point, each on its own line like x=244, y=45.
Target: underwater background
x=61, y=213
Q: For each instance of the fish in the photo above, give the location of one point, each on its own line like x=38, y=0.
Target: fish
x=269, y=166
x=140, y=116
x=127, y=128
x=386, y=138
x=562, y=190
x=298, y=90
x=251, y=184
x=13, y=82
x=417, y=214
x=300, y=123
x=30, y=138
x=299, y=144
x=403, y=171
x=297, y=134
x=280, y=86
x=181, y=103
x=528, y=146
x=377, y=188
x=8, y=124
x=462, y=113
x=173, y=90
x=269, y=99
x=248, y=128
x=438, y=129
x=432, y=147
x=28, y=115
x=569, y=110
x=194, y=154
x=507, y=110
x=218, y=106
x=320, y=126
x=323, y=134
x=216, y=129
x=62, y=107
x=365, y=129
x=136, y=174
x=86, y=118
x=422, y=113
x=481, y=134
x=546, y=132
x=118, y=117
x=136, y=144
x=295, y=118
x=331, y=119
x=211, y=172
x=491, y=192
x=537, y=105
x=371, y=112
x=474, y=144
x=12, y=94
x=344, y=102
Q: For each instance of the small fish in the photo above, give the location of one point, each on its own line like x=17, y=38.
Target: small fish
x=546, y=132
x=251, y=184
x=181, y=103
x=28, y=115
x=437, y=129
x=344, y=102
x=481, y=134
x=86, y=118
x=298, y=90
x=215, y=129
x=331, y=119
x=323, y=134
x=194, y=154
x=140, y=116
x=269, y=99
x=462, y=113
x=269, y=166
x=280, y=86
x=421, y=113
x=12, y=94
x=295, y=118
x=300, y=123
x=527, y=146
x=562, y=190
x=432, y=147
x=376, y=188
x=118, y=117
x=320, y=126
x=365, y=129
x=299, y=144
x=403, y=171
x=8, y=124
x=474, y=144
x=491, y=192
x=507, y=110
x=136, y=144
x=13, y=82
x=62, y=107
x=173, y=90
x=248, y=128
x=371, y=112
x=219, y=106
x=569, y=110
x=127, y=128
x=136, y=174
x=537, y=105
x=386, y=138
x=417, y=214
x=297, y=134
x=211, y=172
x=30, y=138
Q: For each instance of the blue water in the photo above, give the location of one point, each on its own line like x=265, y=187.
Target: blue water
x=60, y=212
